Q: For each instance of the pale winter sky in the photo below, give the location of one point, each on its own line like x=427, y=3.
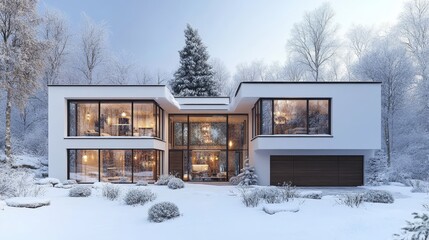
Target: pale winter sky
x=235, y=31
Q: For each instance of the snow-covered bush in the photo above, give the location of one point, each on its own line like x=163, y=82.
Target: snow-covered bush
x=137, y=196
x=69, y=182
x=247, y=176
x=378, y=196
x=289, y=191
x=164, y=179
x=141, y=183
x=111, y=191
x=18, y=183
x=175, y=183
x=417, y=230
x=271, y=194
x=99, y=185
x=351, y=200
x=80, y=191
x=418, y=186
x=250, y=197
x=376, y=171
x=163, y=211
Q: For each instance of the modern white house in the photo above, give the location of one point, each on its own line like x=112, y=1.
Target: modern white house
x=308, y=133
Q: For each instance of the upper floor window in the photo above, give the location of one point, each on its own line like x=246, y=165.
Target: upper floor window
x=291, y=116
x=114, y=118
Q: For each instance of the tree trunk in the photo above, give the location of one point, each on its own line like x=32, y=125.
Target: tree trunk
x=8, y=144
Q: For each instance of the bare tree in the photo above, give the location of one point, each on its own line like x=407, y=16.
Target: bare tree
x=313, y=40
x=56, y=35
x=359, y=39
x=92, y=45
x=222, y=77
x=255, y=71
x=143, y=77
x=388, y=63
x=21, y=60
x=119, y=71
x=293, y=71
x=414, y=32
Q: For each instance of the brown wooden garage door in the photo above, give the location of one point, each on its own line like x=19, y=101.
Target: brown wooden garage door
x=317, y=170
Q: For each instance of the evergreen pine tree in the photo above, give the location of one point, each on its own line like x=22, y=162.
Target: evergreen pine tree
x=376, y=170
x=195, y=75
x=247, y=176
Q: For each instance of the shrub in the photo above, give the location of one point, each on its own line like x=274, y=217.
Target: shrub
x=138, y=196
x=250, y=198
x=289, y=191
x=418, y=186
x=378, y=196
x=80, y=191
x=271, y=194
x=164, y=179
x=69, y=182
x=175, y=183
x=351, y=200
x=18, y=183
x=111, y=191
x=416, y=230
x=163, y=211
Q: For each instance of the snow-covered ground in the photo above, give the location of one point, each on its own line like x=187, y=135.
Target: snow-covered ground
x=210, y=212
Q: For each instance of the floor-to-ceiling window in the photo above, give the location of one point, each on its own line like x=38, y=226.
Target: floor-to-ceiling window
x=207, y=147
x=114, y=165
x=115, y=118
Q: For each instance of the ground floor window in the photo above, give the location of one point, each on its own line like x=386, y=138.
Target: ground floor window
x=113, y=165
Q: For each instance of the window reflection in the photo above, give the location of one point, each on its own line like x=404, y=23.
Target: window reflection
x=116, y=165
x=144, y=119
x=318, y=117
x=145, y=165
x=83, y=165
x=290, y=117
x=115, y=119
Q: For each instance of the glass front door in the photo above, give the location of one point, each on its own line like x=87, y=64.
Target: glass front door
x=208, y=165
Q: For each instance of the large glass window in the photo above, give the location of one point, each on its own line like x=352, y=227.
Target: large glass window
x=83, y=165
x=318, y=119
x=292, y=116
x=114, y=165
x=145, y=164
x=207, y=147
x=115, y=118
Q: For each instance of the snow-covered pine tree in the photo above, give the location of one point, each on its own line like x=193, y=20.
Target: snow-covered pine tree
x=247, y=176
x=377, y=167
x=195, y=75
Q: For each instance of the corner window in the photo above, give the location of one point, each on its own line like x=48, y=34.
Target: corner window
x=292, y=116
x=115, y=118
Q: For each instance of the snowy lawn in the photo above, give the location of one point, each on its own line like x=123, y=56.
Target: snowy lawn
x=211, y=212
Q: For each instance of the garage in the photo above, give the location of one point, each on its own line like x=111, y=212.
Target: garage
x=317, y=170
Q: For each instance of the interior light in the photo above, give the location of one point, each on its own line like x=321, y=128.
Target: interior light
x=123, y=114
x=230, y=143
x=84, y=158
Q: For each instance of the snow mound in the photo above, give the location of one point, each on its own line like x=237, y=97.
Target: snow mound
x=2, y=204
x=48, y=181
x=27, y=202
x=276, y=208
x=141, y=183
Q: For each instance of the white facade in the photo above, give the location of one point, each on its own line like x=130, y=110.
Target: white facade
x=355, y=120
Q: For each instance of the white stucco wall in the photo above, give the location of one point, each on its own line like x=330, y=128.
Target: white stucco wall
x=355, y=120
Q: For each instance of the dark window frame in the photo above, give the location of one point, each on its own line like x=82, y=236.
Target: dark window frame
x=159, y=154
x=257, y=123
x=158, y=111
